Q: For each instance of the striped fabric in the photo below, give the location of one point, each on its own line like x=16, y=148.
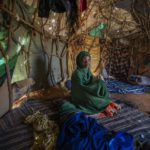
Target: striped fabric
x=129, y=119
x=15, y=135
x=17, y=138
x=14, y=117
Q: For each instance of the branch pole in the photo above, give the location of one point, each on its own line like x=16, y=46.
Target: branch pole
x=8, y=76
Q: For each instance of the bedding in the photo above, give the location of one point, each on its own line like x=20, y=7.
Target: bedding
x=15, y=135
x=84, y=133
x=115, y=86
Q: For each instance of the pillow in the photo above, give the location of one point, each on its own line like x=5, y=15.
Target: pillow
x=68, y=84
x=140, y=80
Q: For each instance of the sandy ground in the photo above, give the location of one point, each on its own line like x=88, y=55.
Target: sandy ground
x=142, y=101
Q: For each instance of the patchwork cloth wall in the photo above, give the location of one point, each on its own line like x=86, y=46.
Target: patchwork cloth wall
x=140, y=63
x=119, y=64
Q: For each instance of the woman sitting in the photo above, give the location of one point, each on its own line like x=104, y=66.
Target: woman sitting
x=89, y=95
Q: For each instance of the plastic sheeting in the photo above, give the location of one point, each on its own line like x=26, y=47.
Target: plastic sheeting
x=98, y=31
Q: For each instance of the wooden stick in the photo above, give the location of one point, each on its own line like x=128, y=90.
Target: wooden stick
x=8, y=77
x=10, y=26
x=6, y=59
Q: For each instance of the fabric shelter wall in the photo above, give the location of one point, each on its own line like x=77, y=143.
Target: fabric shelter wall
x=39, y=57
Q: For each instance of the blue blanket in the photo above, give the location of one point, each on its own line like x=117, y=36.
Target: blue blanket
x=115, y=86
x=84, y=133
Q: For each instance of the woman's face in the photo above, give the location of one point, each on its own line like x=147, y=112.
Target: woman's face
x=86, y=61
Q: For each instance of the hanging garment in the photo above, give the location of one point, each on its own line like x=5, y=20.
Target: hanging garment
x=84, y=133
x=83, y=5
x=58, y=6
x=44, y=9
x=72, y=17
x=1, y=2
x=61, y=6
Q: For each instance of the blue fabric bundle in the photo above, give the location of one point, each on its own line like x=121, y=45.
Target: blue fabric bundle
x=68, y=84
x=84, y=133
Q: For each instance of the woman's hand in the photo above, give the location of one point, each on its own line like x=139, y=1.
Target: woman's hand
x=98, y=77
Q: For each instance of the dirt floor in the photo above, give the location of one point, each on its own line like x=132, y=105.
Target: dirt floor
x=142, y=101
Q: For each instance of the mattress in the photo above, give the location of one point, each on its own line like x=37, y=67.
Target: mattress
x=15, y=135
x=115, y=86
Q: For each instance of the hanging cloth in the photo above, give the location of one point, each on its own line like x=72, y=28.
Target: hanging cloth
x=1, y=2
x=83, y=5
x=58, y=6
x=43, y=10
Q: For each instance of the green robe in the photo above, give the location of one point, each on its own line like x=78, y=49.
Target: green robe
x=87, y=95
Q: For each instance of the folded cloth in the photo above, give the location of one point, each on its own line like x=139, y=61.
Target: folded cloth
x=84, y=133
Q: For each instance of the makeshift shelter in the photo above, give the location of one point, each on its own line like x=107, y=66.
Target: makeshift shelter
x=39, y=43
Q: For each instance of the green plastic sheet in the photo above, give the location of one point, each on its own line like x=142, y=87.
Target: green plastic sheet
x=98, y=30
x=12, y=62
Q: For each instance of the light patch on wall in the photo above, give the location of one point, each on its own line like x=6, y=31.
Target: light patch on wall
x=20, y=72
x=23, y=41
x=2, y=61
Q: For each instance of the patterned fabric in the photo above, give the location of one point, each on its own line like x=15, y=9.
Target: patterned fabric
x=45, y=131
x=115, y=86
x=119, y=64
x=15, y=135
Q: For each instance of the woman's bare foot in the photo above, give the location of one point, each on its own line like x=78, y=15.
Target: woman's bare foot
x=116, y=106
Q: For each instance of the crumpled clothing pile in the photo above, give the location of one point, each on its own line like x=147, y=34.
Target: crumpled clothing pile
x=45, y=131
x=84, y=133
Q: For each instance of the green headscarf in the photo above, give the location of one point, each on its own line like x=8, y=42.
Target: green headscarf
x=80, y=57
